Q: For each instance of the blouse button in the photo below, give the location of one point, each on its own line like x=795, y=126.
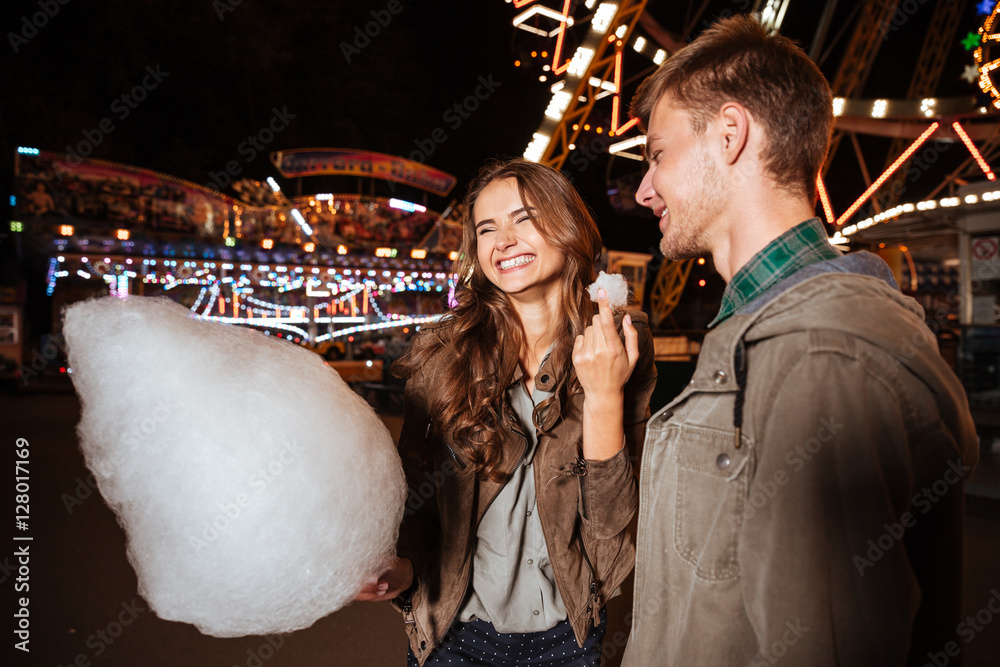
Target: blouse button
x=530, y=561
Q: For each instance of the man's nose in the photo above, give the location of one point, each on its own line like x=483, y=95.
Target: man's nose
x=645, y=193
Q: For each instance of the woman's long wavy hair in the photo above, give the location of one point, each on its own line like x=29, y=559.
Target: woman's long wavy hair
x=476, y=348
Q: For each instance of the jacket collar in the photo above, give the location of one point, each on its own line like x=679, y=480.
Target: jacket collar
x=716, y=368
x=545, y=380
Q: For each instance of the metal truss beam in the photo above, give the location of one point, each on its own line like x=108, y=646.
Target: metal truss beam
x=667, y=289
x=927, y=72
x=602, y=66
x=856, y=66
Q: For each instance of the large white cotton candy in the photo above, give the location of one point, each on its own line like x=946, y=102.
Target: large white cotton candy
x=257, y=491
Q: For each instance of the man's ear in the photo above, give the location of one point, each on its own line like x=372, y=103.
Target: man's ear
x=734, y=123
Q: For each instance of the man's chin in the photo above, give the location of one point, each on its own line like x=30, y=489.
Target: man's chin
x=674, y=253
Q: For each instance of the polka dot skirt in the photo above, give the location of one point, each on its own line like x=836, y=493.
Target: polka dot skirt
x=478, y=643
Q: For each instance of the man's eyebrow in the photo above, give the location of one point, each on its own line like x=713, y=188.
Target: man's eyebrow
x=645, y=148
x=530, y=210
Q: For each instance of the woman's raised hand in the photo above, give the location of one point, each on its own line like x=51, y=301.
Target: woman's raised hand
x=602, y=364
x=390, y=584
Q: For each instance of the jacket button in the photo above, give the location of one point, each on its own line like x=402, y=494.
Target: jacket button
x=544, y=379
x=719, y=377
x=423, y=646
x=723, y=461
x=535, y=612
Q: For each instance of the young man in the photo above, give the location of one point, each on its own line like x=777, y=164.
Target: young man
x=802, y=498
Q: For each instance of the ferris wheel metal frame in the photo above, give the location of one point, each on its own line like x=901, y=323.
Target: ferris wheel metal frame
x=556, y=138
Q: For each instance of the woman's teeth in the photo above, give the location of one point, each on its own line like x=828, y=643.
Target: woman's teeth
x=516, y=261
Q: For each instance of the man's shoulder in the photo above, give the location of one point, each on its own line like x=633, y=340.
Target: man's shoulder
x=842, y=301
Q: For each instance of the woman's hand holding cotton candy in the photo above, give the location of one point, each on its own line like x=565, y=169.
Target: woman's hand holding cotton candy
x=390, y=584
x=603, y=366
x=602, y=363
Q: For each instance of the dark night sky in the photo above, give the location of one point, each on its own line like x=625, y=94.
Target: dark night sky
x=228, y=74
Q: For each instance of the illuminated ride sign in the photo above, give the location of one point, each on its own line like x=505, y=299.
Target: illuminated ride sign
x=985, y=57
x=345, y=162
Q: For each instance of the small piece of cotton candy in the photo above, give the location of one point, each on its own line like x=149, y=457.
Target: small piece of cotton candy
x=258, y=492
x=616, y=287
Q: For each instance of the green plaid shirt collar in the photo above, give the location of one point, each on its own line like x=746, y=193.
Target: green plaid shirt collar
x=799, y=247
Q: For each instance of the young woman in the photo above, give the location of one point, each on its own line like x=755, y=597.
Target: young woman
x=517, y=440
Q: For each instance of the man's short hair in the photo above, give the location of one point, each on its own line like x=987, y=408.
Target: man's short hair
x=736, y=60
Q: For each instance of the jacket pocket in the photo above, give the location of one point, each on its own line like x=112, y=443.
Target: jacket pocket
x=711, y=492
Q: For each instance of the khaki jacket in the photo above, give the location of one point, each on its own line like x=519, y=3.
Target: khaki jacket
x=584, y=507
x=826, y=529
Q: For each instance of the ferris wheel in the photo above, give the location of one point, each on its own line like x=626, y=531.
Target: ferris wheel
x=593, y=45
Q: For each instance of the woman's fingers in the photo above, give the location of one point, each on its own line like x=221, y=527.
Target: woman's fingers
x=631, y=341
x=393, y=581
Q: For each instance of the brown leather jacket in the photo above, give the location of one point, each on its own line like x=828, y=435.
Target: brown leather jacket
x=584, y=506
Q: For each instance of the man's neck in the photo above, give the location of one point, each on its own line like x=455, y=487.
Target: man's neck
x=751, y=225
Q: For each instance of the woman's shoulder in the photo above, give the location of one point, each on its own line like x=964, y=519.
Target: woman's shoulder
x=433, y=336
